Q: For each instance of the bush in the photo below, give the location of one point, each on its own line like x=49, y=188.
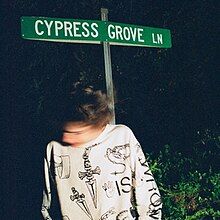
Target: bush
x=189, y=190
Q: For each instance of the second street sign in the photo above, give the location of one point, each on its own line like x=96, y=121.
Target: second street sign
x=93, y=31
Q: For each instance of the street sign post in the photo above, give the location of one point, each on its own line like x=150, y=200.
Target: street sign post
x=108, y=67
x=95, y=32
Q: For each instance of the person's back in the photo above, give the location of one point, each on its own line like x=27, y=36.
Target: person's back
x=99, y=170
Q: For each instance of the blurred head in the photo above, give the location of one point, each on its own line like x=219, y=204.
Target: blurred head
x=85, y=113
x=85, y=105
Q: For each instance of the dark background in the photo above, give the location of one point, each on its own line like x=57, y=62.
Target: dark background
x=167, y=96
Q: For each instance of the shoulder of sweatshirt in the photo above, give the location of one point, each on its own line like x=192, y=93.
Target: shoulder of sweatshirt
x=121, y=127
x=124, y=129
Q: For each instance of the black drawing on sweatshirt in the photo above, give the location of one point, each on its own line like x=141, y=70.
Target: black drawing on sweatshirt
x=62, y=166
x=44, y=208
x=148, y=175
x=155, y=206
x=143, y=162
x=118, y=155
x=133, y=209
x=88, y=174
x=45, y=212
x=106, y=215
x=80, y=201
x=109, y=189
x=46, y=205
x=123, y=215
x=124, y=186
x=155, y=199
x=65, y=217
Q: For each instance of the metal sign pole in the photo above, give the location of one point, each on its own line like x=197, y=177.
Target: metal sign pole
x=108, y=67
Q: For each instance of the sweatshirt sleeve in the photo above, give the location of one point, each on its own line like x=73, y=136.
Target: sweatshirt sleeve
x=50, y=205
x=46, y=203
x=147, y=196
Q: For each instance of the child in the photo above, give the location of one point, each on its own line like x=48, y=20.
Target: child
x=100, y=171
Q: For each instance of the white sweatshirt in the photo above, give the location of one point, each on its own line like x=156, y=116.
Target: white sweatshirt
x=107, y=179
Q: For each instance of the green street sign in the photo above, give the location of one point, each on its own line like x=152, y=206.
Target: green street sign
x=93, y=31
